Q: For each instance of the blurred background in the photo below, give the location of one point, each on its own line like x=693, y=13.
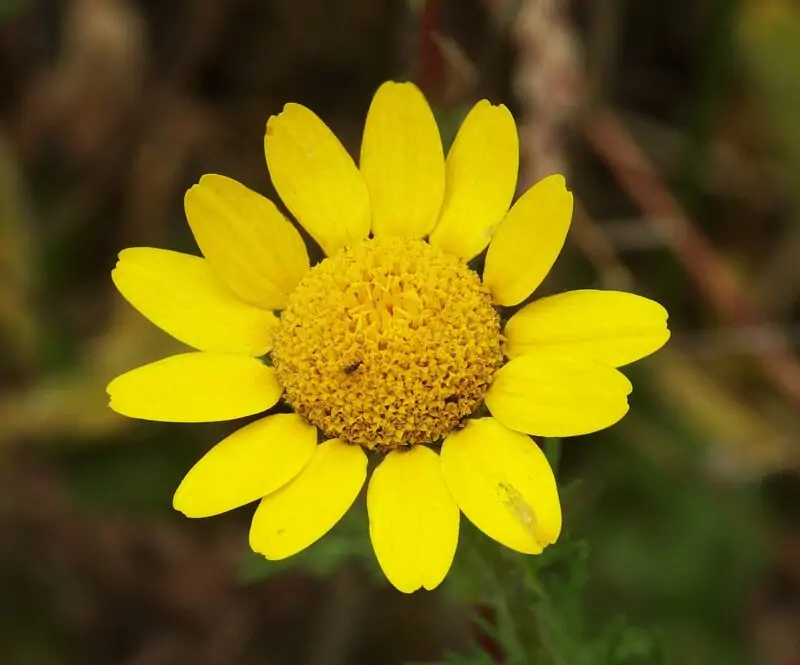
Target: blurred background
x=676, y=123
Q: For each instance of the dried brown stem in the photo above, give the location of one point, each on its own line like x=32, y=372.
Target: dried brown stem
x=713, y=278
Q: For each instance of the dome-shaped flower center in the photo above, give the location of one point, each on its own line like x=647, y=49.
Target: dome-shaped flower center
x=390, y=342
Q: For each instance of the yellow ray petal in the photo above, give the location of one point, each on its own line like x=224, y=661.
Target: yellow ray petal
x=316, y=178
x=253, y=248
x=402, y=162
x=301, y=512
x=249, y=464
x=611, y=327
x=413, y=520
x=550, y=395
x=481, y=176
x=528, y=241
x=182, y=295
x=195, y=388
x=502, y=482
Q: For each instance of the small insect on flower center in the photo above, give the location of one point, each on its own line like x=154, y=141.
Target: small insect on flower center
x=390, y=342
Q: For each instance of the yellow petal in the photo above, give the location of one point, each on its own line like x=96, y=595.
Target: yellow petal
x=611, y=327
x=253, y=248
x=413, y=520
x=316, y=178
x=503, y=484
x=301, y=512
x=196, y=388
x=528, y=241
x=402, y=162
x=549, y=395
x=481, y=176
x=251, y=463
x=182, y=295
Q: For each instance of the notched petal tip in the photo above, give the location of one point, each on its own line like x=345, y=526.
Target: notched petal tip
x=496, y=109
x=274, y=120
x=114, y=404
x=177, y=505
x=625, y=382
x=556, y=179
x=194, y=196
x=528, y=240
x=206, y=180
x=396, y=85
x=123, y=254
x=558, y=184
x=662, y=310
x=207, y=184
x=191, y=192
x=130, y=255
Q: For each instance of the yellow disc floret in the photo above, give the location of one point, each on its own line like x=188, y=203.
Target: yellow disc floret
x=391, y=342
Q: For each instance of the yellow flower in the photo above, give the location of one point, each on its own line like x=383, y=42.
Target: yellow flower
x=388, y=345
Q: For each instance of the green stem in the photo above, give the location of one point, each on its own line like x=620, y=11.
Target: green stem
x=552, y=450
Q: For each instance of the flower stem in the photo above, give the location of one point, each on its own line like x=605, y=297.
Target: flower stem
x=552, y=450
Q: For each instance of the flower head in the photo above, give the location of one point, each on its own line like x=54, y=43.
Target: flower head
x=389, y=346
x=390, y=343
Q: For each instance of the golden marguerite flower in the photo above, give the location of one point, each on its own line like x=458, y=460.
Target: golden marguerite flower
x=389, y=346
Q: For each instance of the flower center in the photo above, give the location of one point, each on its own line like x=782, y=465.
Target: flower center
x=391, y=342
